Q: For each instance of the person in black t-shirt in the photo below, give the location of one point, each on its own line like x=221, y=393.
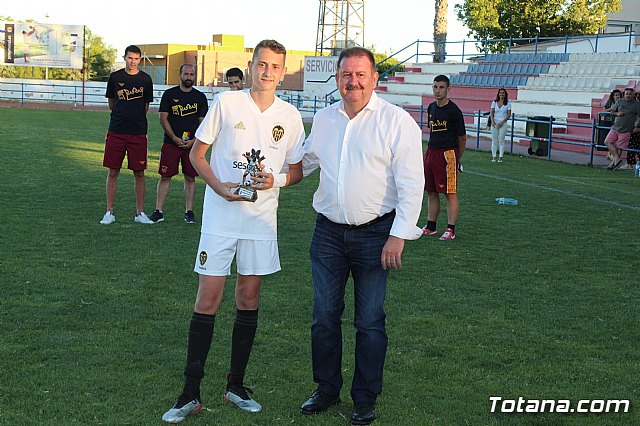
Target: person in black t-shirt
x=182, y=109
x=447, y=142
x=130, y=91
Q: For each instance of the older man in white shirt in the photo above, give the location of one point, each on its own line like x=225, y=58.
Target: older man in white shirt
x=368, y=202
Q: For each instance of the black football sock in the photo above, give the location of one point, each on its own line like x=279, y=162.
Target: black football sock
x=200, y=334
x=244, y=333
x=452, y=227
x=431, y=225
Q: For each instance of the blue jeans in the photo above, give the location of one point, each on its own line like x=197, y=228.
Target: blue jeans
x=337, y=251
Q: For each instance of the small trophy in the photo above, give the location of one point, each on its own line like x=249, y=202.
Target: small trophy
x=254, y=166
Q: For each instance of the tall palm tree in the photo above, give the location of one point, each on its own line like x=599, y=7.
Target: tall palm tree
x=440, y=31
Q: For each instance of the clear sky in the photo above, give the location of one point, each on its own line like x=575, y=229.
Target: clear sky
x=389, y=25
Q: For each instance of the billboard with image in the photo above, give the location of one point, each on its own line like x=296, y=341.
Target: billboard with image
x=41, y=45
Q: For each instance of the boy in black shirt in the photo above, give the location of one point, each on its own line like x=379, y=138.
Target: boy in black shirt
x=130, y=91
x=447, y=141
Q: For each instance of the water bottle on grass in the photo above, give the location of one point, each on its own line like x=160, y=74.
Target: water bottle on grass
x=509, y=201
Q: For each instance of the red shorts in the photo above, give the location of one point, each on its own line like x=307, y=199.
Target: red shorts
x=170, y=156
x=441, y=170
x=619, y=140
x=117, y=144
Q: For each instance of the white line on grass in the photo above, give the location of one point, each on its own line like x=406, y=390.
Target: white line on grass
x=579, y=182
x=560, y=191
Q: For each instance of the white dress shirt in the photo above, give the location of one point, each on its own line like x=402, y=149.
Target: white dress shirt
x=369, y=165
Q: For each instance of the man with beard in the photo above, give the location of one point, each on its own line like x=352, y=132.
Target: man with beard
x=182, y=108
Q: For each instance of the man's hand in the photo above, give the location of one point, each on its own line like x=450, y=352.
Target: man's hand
x=187, y=144
x=179, y=142
x=392, y=253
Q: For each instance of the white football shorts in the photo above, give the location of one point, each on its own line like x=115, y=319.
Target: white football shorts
x=253, y=257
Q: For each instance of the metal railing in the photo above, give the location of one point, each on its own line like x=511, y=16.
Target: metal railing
x=33, y=93
x=307, y=104
x=459, y=50
x=74, y=93
x=479, y=128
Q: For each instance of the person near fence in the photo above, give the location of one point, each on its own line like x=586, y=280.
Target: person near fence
x=614, y=96
x=626, y=112
x=257, y=122
x=500, y=114
x=611, y=101
x=182, y=109
x=235, y=78
x=129, y=91
x=447, y=141
x=368, y=203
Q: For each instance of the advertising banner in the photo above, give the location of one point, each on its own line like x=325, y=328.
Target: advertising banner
x=320, y=69
x=41, y=45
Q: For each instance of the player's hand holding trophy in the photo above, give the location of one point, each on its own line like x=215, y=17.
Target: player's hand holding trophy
x=254, y=165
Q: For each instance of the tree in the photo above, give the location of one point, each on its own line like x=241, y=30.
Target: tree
x=440, y=31
x=505, y=19
x=100, y=57
x=384, y=67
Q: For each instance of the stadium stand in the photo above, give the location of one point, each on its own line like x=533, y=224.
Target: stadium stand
x=571, y=87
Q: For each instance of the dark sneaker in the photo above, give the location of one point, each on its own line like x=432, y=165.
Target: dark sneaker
x=157, y=216
x=184, y=407
x=239, y=395
x=189, y=217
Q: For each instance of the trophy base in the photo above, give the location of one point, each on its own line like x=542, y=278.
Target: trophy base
x=247, y=192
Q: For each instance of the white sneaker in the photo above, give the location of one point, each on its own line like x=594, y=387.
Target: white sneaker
x=181, y=410
x=108, y=218
x=142, y=218
x=241, y=399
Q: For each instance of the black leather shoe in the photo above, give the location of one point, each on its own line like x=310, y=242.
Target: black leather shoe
x=319, y=402
x=363, y=414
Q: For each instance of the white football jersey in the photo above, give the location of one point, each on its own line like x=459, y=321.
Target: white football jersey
x=233, y=126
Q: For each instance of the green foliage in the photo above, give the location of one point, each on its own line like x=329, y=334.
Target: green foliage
x=384, y=67
x=504, y=19
x=100, y=57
